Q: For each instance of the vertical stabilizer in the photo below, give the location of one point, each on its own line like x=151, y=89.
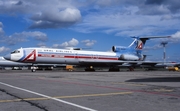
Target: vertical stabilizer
x=138, y=43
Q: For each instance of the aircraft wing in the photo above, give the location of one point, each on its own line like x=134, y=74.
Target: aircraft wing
x=150, y=63
x=84, y=62
x=114, y=63
x=140, y=63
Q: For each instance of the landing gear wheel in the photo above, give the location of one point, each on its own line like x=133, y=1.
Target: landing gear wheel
x=33, y=70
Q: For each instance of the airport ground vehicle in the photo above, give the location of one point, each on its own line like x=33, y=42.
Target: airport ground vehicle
x=69, y=68
x=172, y=68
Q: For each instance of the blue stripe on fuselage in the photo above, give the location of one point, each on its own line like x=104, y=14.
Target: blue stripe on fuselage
x=23, y=57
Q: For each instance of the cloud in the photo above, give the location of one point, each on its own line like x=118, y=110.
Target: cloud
x=146, y=7
x=89, y=42
x=154, y=2
x=127, y=25
x=23, y=37
x=41, y=44
x=73, y=42
x=107, y=2
x=172, y=5
x=1, y=29
x=43, y=13
x=175, y=38
x=36, y=35
x=156, y=46
x=58, y=19
x=153, y=10
x=4, y=49
x=176, y=35
x=130, y=18
x=125, y=14
x=120, y=17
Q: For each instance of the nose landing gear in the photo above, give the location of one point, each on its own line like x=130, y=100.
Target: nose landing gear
x=33, y=68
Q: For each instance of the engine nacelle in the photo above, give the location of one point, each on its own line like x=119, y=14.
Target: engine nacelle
x=118, y=48
x=128, y=57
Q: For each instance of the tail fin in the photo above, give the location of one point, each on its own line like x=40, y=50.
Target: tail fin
x=135, y=47
x=139, y=43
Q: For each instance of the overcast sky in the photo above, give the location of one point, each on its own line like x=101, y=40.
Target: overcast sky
x=93, y=24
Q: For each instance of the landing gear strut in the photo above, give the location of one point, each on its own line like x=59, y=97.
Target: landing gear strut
x=131, y=68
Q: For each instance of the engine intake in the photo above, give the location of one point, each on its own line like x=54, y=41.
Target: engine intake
x=118, y=48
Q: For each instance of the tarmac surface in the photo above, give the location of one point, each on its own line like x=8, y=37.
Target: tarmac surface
x=89, y=91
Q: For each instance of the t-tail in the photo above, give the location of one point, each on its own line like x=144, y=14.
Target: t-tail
x=138, y=43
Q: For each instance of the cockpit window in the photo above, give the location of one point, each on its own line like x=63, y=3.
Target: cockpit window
x=16, y=51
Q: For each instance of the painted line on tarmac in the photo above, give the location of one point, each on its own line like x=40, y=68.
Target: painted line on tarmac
x=66, y=97
x=118, y=88
x=163, y=90
x=49, y=97
x=130, y=84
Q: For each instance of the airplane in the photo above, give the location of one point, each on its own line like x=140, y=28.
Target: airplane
x=120, y=55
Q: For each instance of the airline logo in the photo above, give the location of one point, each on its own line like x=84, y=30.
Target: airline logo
x=31, y=57
x=139, y=44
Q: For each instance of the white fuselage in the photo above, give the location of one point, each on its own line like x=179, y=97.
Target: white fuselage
x=59, y=56
x=71, y=56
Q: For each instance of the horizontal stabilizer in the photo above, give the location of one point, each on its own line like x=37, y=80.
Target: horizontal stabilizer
x=154, y=37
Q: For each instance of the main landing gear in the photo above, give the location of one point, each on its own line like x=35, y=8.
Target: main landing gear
x=131, y=68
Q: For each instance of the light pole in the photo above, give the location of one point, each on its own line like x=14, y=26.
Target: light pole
x=164, y=53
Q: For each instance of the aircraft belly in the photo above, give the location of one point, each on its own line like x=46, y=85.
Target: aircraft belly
x=56, y=60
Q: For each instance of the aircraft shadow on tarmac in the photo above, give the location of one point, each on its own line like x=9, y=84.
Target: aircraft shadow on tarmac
x=157, y=79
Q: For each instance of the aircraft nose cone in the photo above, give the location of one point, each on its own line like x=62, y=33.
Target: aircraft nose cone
x=7, y=57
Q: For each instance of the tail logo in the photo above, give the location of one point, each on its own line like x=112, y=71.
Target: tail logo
x=139, y=44
x=31, y=56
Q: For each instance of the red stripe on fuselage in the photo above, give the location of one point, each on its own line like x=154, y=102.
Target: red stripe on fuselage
x=77, y=57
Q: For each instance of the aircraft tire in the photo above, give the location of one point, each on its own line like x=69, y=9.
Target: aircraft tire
x=33, y=70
